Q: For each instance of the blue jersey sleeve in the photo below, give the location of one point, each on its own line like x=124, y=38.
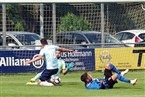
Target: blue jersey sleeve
x=94, y=84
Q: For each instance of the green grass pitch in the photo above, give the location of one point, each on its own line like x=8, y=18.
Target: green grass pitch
x=14, y=85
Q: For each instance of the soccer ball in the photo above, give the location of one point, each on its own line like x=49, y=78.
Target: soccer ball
x=56, y=80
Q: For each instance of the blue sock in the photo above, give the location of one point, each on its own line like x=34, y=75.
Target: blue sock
x=114, y=69
x=123, y=79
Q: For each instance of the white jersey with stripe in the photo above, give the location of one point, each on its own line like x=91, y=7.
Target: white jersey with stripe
x=49, y=53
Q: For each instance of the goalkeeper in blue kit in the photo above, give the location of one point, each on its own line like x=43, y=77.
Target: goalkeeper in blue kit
x=109, y=81
x=62, y=68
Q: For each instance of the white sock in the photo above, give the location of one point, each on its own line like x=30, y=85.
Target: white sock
x=45, y=83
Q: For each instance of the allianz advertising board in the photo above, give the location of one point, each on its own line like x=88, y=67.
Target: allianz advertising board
x=14, y=61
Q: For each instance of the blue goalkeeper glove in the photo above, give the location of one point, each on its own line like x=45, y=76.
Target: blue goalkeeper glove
x=70, y=65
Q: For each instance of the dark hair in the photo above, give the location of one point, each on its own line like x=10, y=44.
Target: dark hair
x=43, y=41
x=84, y=77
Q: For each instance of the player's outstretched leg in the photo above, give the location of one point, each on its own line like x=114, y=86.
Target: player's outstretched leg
x=123, y=79
x=33, y=80
x=36, y=77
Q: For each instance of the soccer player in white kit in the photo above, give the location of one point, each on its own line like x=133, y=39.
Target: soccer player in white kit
x=62, y=68
x=48, y=52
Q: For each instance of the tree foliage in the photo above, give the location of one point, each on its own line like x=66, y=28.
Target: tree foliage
x=71, y=22
x=13, y=11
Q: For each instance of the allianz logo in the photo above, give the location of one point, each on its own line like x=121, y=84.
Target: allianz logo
x=39, y=63
x=12, y=61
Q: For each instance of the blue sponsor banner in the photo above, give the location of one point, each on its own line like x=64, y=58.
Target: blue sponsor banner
x=83, y=58
x=14, y=61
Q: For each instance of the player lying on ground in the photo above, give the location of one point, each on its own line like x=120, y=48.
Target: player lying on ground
x=109, y=80
x=48, y=52
x=62, y=68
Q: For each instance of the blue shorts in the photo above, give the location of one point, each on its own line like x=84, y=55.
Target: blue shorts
x=46, y=74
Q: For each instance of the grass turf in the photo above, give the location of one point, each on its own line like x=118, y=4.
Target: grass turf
x=14, y=85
